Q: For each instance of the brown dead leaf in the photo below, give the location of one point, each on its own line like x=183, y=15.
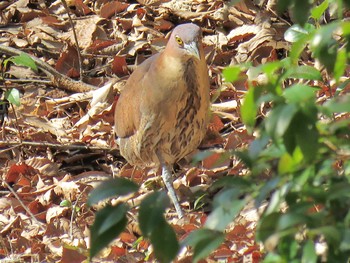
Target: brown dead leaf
x=112, y=8
x=21, y=43
x=44, y=166
x=56, y=212
x=215, y=123
x=152, y=2
x=127, y=238
x=113, y=38
x=119, y=66
x=163, y=25
x=27, y=14
x=216, y=161
x=87, y=30
x=46, y=126
x=81, y=8
x=20, y=72
x=68, y=190
x=37, y=208
x=13, y=223
x=54, y=21
x=100, y=44
x=72, y=255
x=68, y=63
x=117, y=252
x=223, y=252
x=19, y=171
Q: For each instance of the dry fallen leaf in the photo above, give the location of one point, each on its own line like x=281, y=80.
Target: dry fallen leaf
x=67, y=138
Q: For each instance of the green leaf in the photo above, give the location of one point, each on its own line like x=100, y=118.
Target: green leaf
x=319, y=10
x=297, y=32
x=24, y=60
x=272, y=119
x=322, y=36
x=271, y=68
x=249, y=109
x=289, y=139
x=151, y=212
x=283, y=5
x=338, y=191
x=111, y=188
x=345, y=27
x=340, y=64
x=267, y=226
x=254, y=72
x=291, y=219
x=296, y=50
x=230, y=181
x=328, y=54
x=299, y=93
x=226, y=205
x=285, y=118
x=331, y=233
x=231, y=74
x=200, y=201
x=13, y=97
x=301, y=9
x=154, y=226
x=164, y=242
x=109, y=222
x=65, y=203
x=279, y=120
x=272, y=257
x=338, y=104
x=309, y=253
x=257, y=146
x=341, y=87
x=304, y=72
x=307, y=137
x=324, y=46
x=266, y=189
x=204, y=242
x=244, y=156
x=345, y=243
x=299, y=36
x=286, y=164
x=277, y=198
x=289, y=163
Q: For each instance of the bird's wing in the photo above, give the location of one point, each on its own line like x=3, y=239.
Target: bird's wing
x=127, y=112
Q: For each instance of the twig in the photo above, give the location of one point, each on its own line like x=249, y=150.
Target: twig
x=23, y=205
x=75, y=38
x=40, y=81
x=53, y=145
x=18, y=129
x=57, y=79
x=73, y=213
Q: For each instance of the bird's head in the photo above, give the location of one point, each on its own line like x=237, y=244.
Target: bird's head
x=185, y=40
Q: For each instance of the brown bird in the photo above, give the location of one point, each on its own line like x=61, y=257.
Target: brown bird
x=162, y=113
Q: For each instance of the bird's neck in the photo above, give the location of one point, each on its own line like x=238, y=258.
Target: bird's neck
x=173, y=63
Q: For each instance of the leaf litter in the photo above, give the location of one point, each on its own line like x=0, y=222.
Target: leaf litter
x=57, y=145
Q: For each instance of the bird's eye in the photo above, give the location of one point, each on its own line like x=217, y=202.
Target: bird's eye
x=179, y=40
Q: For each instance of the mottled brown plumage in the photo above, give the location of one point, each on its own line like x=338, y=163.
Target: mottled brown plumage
x=162, y=113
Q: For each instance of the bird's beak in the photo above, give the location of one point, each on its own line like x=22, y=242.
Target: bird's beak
x=192, y=48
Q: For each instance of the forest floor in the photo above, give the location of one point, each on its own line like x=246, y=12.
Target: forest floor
x=59, y=143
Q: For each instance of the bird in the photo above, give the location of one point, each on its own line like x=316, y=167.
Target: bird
x=162, y=112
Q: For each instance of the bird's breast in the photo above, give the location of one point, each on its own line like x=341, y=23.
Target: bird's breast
x=174, y=115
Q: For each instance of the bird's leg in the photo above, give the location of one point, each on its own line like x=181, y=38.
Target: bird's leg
x=168, y=181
